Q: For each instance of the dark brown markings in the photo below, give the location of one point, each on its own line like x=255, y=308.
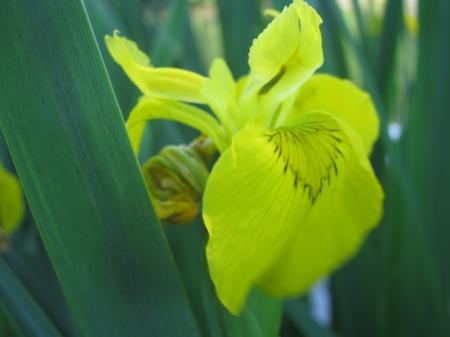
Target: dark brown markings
x=265, y=89
x=321, y=146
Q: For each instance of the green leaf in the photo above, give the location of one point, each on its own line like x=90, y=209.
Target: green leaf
x=241, y=23
x=68, y=141
x=167, y=44
x=27, y=317
x=299, y=316
x=333, y=50
x=105, y=19
x=395, y=277
x=280, y=4
x=261, y=316
x=33, y=268
x=392, y=23
x=428, y=136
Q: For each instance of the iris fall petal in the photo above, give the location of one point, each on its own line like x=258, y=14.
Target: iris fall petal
x=335, y=228
x=260, y=195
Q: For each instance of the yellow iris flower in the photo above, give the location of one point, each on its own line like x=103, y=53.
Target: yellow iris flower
x=292, y=195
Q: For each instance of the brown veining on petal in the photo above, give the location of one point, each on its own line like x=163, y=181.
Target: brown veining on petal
x=312, y=155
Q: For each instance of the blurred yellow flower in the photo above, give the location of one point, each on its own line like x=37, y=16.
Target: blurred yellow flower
x=12, y=207
x=292, y=195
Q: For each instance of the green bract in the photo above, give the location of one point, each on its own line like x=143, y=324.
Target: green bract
x=293, y=194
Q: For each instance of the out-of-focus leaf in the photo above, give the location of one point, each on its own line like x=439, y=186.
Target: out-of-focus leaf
x=299, y=315
x=70, y=147
x=241, y=23
x=391, y=288
x=132, y=15
x=38, y=277
x=6, y=327
x=261, y=316
x=392, y=23
x=428, y=137
x=333, y=50
x=280, y=4
x=105, y=19
x=27, y=317
x=167, y=44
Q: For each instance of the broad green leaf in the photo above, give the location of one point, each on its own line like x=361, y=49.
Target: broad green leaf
x=26, y=316
x=68, y=141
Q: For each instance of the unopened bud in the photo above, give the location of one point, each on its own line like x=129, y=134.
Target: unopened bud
x=176, y=179
x=179, y=209
x=205, y=147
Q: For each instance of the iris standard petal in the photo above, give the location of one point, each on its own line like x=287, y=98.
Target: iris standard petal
x=171, y=83
x=221, y=74
x=222, y=104
x=261, y=192
x=152, y=108
x=342, y=99
x=275, y=46
x=219, y=91
x=12, y=206
x=283, y=57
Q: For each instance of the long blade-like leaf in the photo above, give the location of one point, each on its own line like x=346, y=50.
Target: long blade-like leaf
x=406, y=298
x=28, y=319
x=241, y=22
x=429, y=138
x=70, y=147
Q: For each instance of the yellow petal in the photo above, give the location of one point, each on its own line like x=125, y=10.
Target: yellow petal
x=333, y=231
x=283, y=57
x=221, y=74
x=219, y=92
x=172, y=83
x=275, y=46
x=262, y=191
x=342, y=99
x=151, y=108
x=222, y=104
x=12, y=206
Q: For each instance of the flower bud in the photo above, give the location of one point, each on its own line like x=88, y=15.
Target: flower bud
x=176, y=179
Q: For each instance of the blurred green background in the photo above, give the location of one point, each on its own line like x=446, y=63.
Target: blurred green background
x=399, y=283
